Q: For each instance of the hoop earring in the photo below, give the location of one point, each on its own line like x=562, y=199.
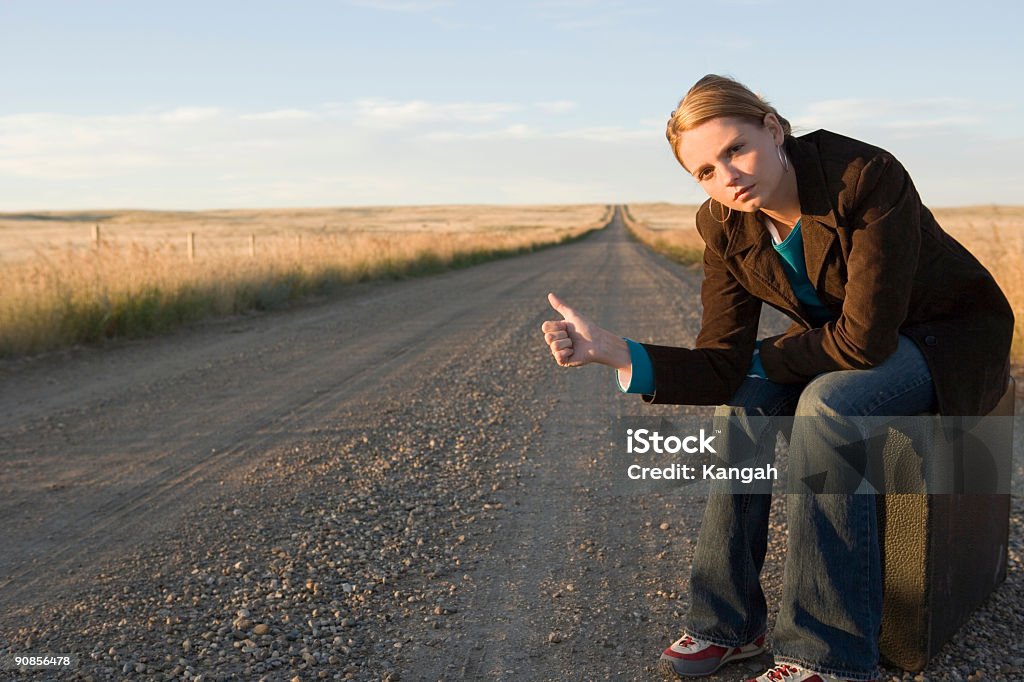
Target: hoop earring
x=783, y=159
x=717, y=220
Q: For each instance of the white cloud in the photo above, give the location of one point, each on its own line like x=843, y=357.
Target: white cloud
x=555, y=107
x=516, y=131
x=368, y=151
x=925, y=116
x=190, y=114
x=655, y=123
x=521, y=131
x=388, y=114
x=64, y=147
x=280, y=115
x=76, y=166
x=375, y=151
x=297, y=191
x=940, y=140
x=610, y=134
x=524, y=190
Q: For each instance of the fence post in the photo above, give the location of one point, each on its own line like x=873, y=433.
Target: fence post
x=252, y=246
x=191, y=247
x=96, y=236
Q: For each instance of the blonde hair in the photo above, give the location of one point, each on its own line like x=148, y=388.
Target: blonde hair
x=714, y=96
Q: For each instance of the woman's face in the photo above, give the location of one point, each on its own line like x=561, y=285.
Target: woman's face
x=735, y=160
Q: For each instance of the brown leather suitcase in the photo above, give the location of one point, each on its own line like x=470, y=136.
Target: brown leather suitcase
x=942, y=554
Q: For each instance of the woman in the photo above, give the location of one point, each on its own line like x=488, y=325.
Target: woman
x=891, y=316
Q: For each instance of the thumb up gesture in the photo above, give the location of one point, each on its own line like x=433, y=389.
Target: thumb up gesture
x=575, y=341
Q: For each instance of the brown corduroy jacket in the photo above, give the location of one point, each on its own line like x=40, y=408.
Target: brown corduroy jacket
x=877, y=259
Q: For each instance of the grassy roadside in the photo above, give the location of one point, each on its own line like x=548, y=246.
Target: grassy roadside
x=75, y=296
x=681, y=245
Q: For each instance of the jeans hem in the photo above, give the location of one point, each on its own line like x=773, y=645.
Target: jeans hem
x=718, y=640
x=853, y=676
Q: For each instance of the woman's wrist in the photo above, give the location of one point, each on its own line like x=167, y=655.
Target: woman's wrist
x=617, y=354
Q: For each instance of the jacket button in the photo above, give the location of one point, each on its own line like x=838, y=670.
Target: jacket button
x=931, y=340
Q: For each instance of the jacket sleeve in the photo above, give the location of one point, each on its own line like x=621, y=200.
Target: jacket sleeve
x=710, y=373
x=885, y=239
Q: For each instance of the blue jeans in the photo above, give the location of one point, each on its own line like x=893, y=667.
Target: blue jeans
x=830, y=614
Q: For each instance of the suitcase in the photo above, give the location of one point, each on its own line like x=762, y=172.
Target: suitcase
x=942, y=554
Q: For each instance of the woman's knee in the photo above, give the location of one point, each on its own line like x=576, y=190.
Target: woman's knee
x=824, y=397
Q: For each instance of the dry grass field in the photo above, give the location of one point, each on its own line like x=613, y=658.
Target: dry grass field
x=48, y=234
x=994, y=234
x=63, y=287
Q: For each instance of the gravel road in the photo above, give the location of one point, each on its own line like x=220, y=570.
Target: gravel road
x=396, y=484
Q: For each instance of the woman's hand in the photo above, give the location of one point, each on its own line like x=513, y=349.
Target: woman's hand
x=576, y=341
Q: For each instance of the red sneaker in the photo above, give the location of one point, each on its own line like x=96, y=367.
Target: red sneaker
x=787, y=672
x=692, y=657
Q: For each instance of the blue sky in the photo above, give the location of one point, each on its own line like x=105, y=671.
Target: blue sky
x=192, y=105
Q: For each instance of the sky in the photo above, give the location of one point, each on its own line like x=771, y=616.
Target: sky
x=203, y=105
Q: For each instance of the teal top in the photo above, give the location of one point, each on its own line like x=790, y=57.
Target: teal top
x=791, y=253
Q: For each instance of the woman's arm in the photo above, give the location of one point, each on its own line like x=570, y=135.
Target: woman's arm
x=711, y=373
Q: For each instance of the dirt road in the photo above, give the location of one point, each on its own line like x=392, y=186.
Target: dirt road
x=397, y=484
